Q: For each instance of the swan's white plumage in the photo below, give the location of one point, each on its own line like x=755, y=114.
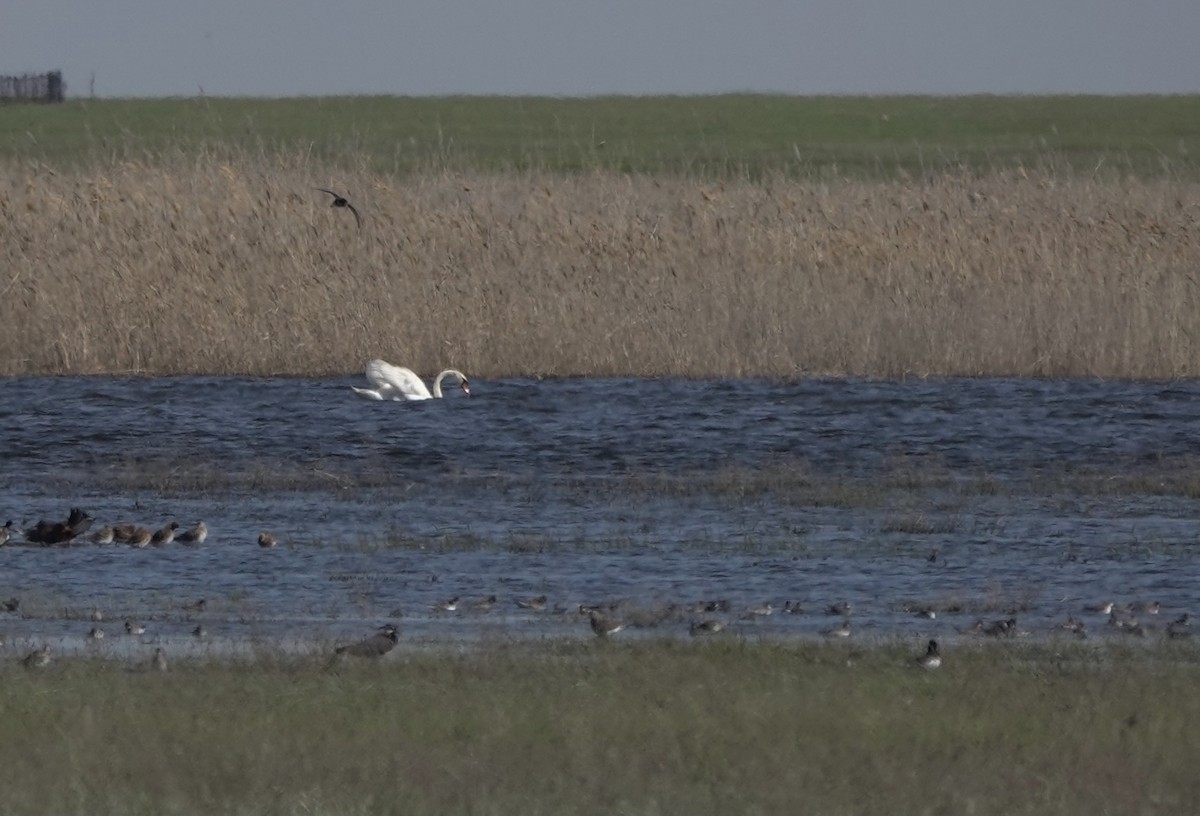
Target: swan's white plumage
x=391, y=382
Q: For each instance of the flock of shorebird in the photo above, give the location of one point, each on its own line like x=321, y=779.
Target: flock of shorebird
x=704, y=618
x=606, y=620
x=74, y=530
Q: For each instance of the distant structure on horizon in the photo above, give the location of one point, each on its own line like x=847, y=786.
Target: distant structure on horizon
x=48, y=87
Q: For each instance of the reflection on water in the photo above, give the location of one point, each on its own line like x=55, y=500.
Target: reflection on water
x=1038, y=497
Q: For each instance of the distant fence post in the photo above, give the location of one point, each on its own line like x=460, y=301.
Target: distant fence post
x=48, y=87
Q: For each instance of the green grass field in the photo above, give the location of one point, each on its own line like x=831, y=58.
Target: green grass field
x=719, y=136
x=714, y=727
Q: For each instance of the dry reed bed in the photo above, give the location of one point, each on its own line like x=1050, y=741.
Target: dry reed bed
x=197, y=265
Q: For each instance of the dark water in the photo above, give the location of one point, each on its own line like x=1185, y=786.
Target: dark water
x=588, y=491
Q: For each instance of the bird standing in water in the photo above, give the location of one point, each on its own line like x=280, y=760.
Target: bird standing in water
x=376, y=645
x=932, y=658
x=603, y=626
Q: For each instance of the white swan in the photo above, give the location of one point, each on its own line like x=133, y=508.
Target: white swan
x=398, y=383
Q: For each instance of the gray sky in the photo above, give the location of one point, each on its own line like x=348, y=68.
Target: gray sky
x=566, y=47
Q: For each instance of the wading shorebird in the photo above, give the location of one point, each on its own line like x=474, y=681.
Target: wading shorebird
x=122, y=533
x=705, y=627
x=536, y=604
x=1181, y=627
x=1001, y=628
x=377, y=645
x=104, y=535
x=603, y=626
x=195, y=535
x=37, y=659
x=448, y=605
x=842, y=630
x=342, y=201
x=1073, y=626
x=400, y=384
x=932, y=659
x=484, y=604
x=164, y=536
x=141, y=538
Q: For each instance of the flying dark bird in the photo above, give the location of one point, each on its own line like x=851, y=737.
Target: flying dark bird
x=341, y=201
x=376, y=645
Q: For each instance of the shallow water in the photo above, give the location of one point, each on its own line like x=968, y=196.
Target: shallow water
x=648, y=492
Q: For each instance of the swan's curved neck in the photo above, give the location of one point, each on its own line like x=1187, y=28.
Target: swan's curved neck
x=449, y=372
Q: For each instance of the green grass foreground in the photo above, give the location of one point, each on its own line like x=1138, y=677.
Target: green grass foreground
x=716, y=727
x=711, y=136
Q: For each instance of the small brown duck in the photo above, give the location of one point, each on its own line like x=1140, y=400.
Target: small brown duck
x=60, y=532
x=266, y=540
